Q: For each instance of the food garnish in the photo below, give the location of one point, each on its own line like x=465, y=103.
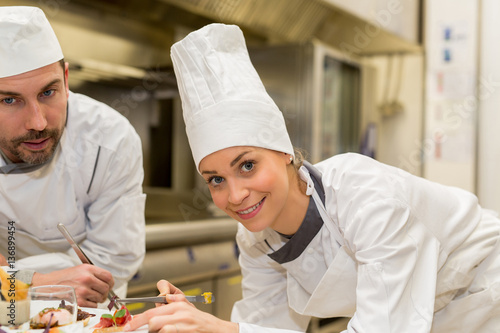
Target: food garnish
x=83, y=315
x=60, y=316
x=50, y=317
x=208, y=297
x=112, y=302
x=118, y=319
x=47, y=328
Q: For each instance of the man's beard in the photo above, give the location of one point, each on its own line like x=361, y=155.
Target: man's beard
x=33, y=157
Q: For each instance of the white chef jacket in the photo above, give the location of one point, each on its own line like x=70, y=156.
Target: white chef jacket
x=93, y=184
x=393, y=251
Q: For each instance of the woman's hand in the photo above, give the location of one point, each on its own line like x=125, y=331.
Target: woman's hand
x=171, y=292
x=179, y=316
x=166, y=287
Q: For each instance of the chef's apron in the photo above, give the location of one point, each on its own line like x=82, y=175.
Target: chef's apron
x=335, y=293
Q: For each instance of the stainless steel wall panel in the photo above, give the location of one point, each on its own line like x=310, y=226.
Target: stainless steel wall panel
x=166, y=235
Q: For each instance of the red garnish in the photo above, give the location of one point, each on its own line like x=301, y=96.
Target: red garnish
x=119, y=318
x=106, y=321
x=122, y=316
x=112, y=302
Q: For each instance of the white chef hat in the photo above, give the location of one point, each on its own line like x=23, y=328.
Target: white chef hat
x=27, y=41
x=224, y=101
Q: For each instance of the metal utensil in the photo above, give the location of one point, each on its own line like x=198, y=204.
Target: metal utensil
x=84, y=259
x=161, y=299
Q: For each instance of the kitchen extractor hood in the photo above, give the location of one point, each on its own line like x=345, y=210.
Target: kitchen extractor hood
x=129, y=40
x=299, y=21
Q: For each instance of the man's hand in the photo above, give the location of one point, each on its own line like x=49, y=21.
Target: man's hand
x=91, y=283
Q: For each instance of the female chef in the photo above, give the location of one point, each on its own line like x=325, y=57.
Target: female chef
x=347, y=237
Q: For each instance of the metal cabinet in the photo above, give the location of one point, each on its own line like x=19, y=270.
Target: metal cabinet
x=318, y=89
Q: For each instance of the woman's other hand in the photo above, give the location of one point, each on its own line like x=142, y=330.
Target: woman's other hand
x=171, y=292
x=180, y=317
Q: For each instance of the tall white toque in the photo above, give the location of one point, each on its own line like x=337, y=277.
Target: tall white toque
x=27, y=41
x=224, y=101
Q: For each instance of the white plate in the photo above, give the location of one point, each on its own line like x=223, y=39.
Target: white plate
x=75, y=328
x=25, y=328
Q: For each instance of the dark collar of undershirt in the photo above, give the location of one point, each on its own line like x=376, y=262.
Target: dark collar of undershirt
x=12, y=168
x=309, y=228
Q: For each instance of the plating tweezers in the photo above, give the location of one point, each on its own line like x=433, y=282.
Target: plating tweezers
x=84, y=259
x=161, y=299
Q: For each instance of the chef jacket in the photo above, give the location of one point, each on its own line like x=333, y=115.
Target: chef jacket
x=92, y=184
x=395, y=252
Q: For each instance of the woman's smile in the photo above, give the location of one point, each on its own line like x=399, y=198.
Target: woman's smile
x=248, y=213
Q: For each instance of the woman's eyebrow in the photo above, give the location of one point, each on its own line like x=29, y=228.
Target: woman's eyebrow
x=238, y=158
x=233, y=162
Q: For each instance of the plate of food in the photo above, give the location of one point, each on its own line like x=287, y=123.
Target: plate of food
x=89, y=320
x=106, y=321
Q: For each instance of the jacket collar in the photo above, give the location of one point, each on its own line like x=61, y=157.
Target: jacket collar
x=310, y=226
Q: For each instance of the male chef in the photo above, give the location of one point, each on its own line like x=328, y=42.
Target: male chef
x=64, y=158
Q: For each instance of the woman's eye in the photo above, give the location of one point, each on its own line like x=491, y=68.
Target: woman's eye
x=214, y=181
x=247, y=166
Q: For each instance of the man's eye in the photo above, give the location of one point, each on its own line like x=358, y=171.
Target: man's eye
x=8, y=100
x=48, y=93
x=247, y=166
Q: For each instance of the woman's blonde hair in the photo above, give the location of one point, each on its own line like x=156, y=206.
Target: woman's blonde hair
x=300, y=156
x=297, y=162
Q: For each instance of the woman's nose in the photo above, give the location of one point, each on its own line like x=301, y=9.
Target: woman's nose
x=237, y=193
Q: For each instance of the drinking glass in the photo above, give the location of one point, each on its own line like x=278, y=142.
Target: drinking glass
x=59, y=297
